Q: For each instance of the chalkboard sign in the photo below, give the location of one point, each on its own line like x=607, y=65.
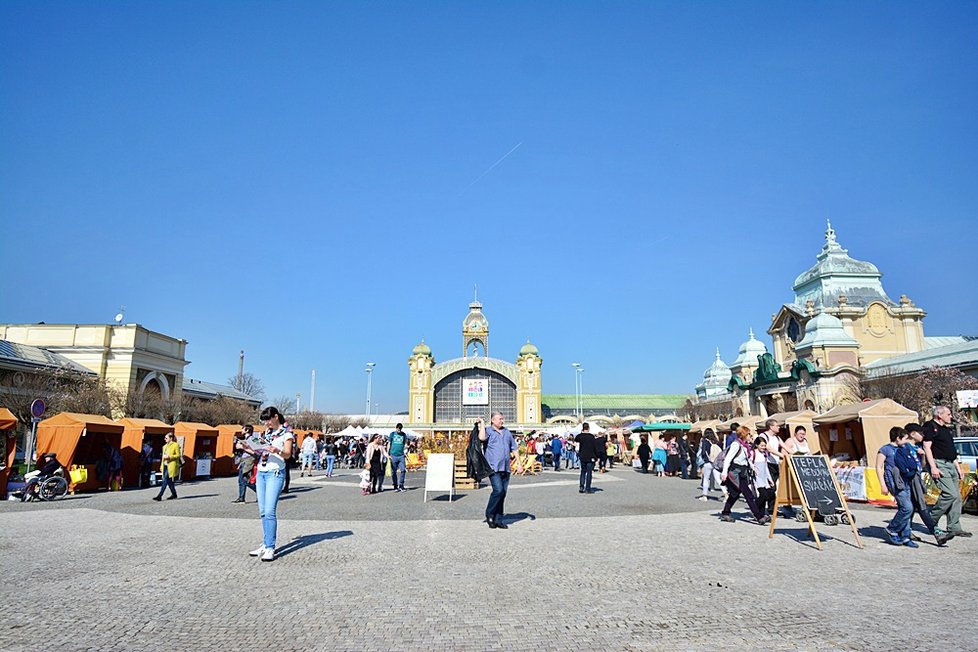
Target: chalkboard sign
x=816, y=482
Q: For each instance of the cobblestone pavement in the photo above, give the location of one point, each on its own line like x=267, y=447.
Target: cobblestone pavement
x=119, y=572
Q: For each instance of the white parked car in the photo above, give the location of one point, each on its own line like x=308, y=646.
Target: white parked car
x=968, y=450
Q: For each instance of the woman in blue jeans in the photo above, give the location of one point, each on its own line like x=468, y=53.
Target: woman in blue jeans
x=275, y=448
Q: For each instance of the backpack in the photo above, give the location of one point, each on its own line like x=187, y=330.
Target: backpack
x=905, y=462
x=718, y=462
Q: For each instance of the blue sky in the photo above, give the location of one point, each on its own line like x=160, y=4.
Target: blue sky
x=308, y=181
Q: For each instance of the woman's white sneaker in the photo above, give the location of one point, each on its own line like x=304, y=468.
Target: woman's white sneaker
x=257, y=551
x=268, y=555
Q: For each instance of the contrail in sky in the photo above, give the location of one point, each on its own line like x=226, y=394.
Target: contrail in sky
x=491, y=167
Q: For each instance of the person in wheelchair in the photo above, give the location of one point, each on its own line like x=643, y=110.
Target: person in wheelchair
x=50, y=466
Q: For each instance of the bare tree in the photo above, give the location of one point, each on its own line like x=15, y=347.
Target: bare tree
x=335, y=422
x=248, y=384
x=923, y=390
x=61, y=390
x=307, y=420
x=284, y=403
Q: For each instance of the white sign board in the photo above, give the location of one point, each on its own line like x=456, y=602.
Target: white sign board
x=475, y=391
x=968, y=399
x=440, y=474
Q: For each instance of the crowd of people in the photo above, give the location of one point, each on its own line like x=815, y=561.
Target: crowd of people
x=742, y=466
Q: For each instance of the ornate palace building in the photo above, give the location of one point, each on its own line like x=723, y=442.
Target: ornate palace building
x=452, y=394
x=840, y=326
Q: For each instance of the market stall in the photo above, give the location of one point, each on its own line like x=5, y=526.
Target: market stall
x=748, y=422
x=198, y=444
x=224, y=456
x=788, y=421
x=699, y=427
x=79, y=440
x=135, y=433
x=8, y=431
x=851, y=435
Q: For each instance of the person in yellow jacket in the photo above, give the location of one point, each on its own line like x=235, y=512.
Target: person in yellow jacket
x=169, y=466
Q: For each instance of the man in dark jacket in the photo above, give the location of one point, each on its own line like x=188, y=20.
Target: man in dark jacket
x=588, y=452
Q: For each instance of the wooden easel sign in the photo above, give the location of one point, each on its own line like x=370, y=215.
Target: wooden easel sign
x=808, y=482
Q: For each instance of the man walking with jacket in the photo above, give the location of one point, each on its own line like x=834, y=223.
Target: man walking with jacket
x=500, y=446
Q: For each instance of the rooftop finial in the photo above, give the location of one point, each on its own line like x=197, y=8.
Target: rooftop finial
x=476, y=288
x=751, y=331
x=718, y=353
x=829, y=232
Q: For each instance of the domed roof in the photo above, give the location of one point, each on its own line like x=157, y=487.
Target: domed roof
x=837, y=273
x=422, y=348
x=715, y=379
x=825, y=330
x=749, y=350
x=718, y=370
x=529, y=349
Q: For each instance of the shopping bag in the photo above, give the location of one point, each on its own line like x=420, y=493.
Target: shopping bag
x=78, y=474
x=931, y=491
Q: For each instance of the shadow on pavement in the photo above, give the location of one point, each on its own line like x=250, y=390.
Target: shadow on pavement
x=520, y=516
x=445, y=498
x=306, y=540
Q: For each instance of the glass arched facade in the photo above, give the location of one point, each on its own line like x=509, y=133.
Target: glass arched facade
x=448, y=398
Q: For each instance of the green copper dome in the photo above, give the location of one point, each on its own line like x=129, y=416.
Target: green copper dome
x=422, y=349
x=529, y=349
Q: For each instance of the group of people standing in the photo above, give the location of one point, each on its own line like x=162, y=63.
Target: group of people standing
x=378, y=453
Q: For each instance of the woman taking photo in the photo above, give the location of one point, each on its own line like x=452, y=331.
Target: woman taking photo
x=275, y=448
x=377, y=459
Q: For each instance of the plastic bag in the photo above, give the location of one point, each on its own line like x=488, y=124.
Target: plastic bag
x=78, y=474
x=931, y=491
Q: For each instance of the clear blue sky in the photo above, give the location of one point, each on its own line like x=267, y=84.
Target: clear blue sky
x=308, y=181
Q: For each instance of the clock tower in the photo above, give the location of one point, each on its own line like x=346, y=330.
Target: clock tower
x=475, y=332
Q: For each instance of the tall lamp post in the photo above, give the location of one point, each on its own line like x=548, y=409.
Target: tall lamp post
x=580, y=389
x=577, y=393
x=369, y=370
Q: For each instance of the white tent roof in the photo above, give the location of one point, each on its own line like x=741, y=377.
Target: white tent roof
x=595, y=429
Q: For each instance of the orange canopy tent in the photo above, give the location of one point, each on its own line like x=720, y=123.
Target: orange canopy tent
x=224, y=458
x=78, y=439
x=199, y=442
x=7, y=424
x=137, y=430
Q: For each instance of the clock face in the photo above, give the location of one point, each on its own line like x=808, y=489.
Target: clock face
x=474, y=324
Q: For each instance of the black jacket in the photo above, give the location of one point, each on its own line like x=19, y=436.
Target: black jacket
x=588, y=447
x=476, y=466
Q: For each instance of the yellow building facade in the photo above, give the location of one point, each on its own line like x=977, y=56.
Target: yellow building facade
x=128, y=357
x=452, y=394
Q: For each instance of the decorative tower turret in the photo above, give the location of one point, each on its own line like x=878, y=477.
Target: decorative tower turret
x=475, y=331
x=422, y=395
x=528, y=401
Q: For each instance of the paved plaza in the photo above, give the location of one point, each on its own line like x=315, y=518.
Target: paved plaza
x=640, y=565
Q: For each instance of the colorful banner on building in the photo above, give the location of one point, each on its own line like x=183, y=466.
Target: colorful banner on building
x=475, y=391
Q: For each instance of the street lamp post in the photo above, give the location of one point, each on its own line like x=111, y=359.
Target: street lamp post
x=369, y=370
x=580, y=390
x=577, y=394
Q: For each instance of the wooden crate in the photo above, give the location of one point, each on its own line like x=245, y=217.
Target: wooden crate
x=463, y=481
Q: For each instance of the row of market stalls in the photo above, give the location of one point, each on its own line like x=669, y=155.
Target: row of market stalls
x=80, y=440
x=849, y=434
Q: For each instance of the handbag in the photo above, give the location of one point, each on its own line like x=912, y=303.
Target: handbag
x=78, y=474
